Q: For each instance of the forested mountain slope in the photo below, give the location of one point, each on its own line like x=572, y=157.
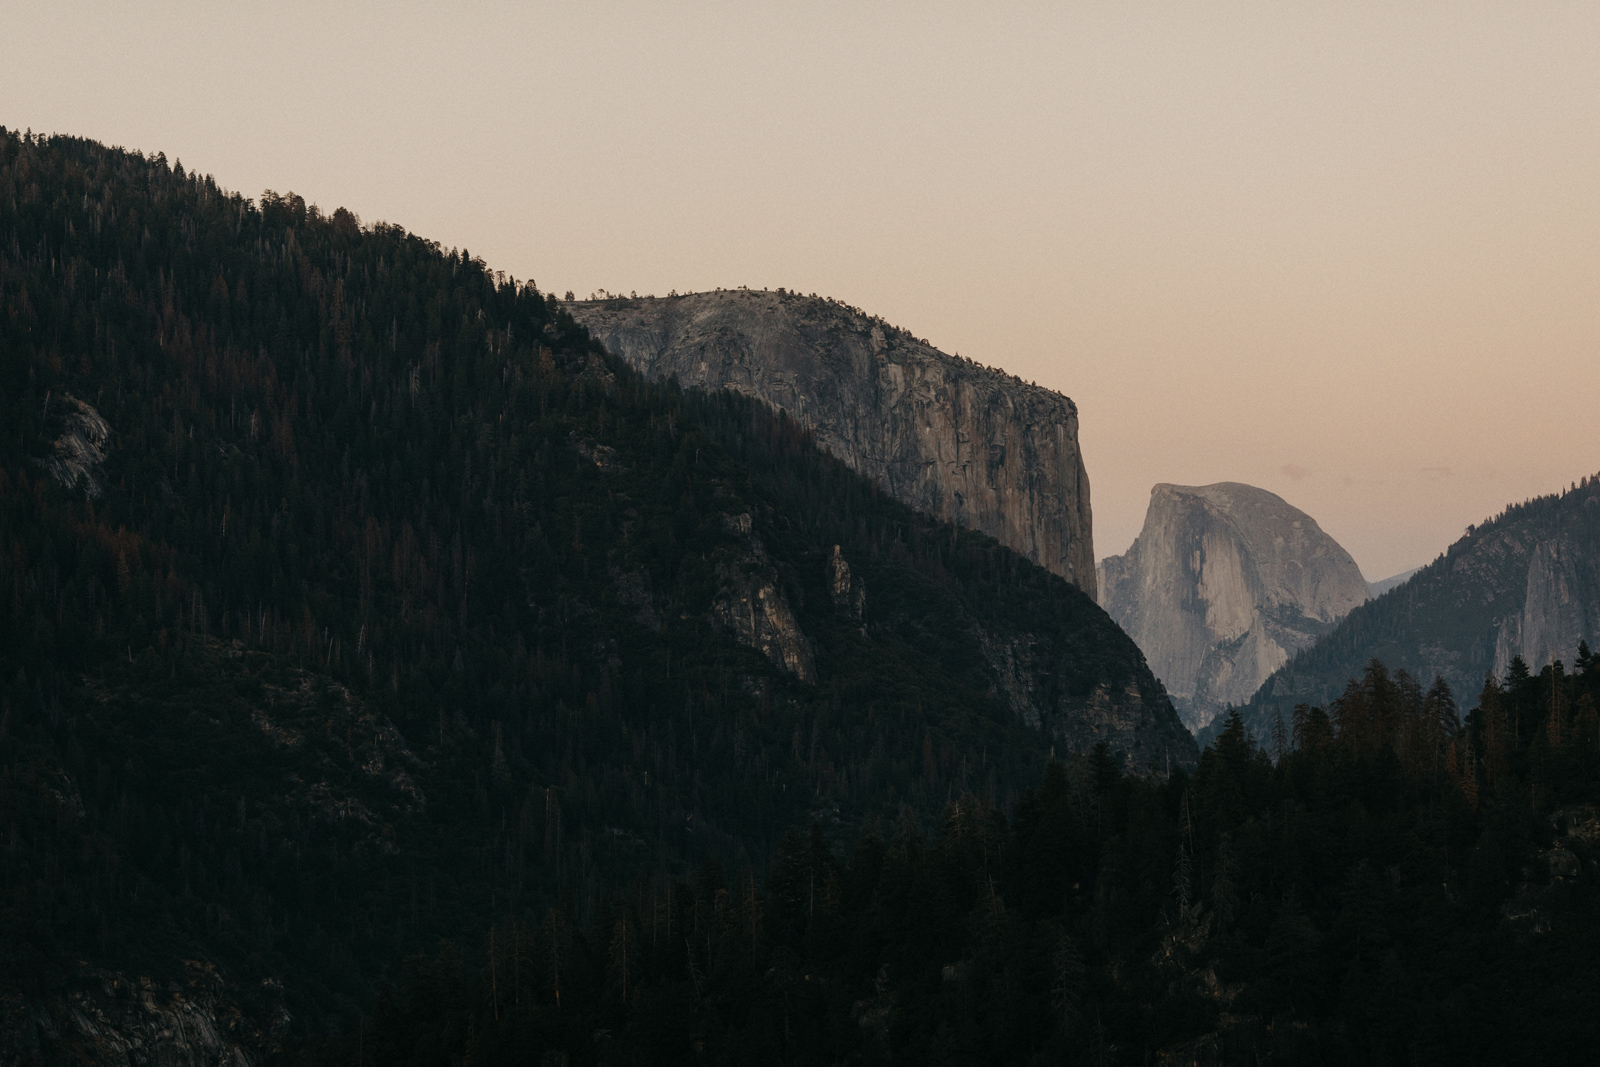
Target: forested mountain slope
x=1526, y=583
x=356, y=598
x=1398, y=886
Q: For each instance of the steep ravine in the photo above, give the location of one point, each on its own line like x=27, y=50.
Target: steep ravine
x=966, y=443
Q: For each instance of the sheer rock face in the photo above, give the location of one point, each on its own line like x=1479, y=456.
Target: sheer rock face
x=848, y=595
x=1224, y=583
x=972, y=445
x=1560, y=607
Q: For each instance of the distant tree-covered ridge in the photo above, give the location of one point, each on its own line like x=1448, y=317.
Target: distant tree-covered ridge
x=355, y=598
x=1397, y=886
x=1525, y=583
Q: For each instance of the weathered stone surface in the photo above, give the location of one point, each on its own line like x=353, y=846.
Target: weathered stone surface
x=79, y=450
x=971, y=445
x=848, y=595
x=1560, y=607
x=751, y=604
x=1224, y=583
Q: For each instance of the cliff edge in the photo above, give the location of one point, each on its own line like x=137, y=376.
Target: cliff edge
x=971, y=445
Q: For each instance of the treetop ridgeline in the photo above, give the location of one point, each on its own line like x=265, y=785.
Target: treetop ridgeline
x=1397, y=885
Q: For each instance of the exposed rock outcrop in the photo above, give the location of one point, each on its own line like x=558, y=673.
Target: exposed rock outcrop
x=751, y=604
x=1551, y=874
x=1224, y=583
x=78, y=451
x=848, y=594
x=104, y=1019
x=971, y=445
x=1526, y=583
x=1032, y=674
x=1560, y=607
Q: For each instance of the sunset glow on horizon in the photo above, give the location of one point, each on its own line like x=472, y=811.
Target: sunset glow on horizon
x=1348, y=253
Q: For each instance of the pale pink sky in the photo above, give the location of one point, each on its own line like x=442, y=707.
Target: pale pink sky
x=1348, y=252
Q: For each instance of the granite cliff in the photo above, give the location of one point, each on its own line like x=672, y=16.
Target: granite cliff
x=1526, y=583
x=1224, y=583
x=984, y=618
x=966, y=443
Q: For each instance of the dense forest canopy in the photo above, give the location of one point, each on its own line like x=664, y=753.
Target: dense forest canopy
x=1384, y=884
x=355, y=597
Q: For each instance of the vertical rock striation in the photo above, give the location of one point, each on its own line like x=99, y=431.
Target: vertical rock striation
x=1560, y=607
x=971, y=445
x=848, y=596
x=1224, y=583
x=80, y=449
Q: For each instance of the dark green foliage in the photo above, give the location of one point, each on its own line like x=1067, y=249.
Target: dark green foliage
x=1373, y=897
x=1447, y=618
x=389, y=610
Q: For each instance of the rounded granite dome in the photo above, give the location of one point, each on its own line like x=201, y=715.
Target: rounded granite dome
x=1224, y=583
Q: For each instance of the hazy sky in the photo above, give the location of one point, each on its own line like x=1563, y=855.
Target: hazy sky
x=1347, y=252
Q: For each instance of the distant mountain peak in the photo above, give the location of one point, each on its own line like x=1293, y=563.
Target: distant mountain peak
x=1394, y=581
x=1223, y=584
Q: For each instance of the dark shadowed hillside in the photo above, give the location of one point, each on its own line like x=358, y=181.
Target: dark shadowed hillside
x=355, y=598
x=1400, y=886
